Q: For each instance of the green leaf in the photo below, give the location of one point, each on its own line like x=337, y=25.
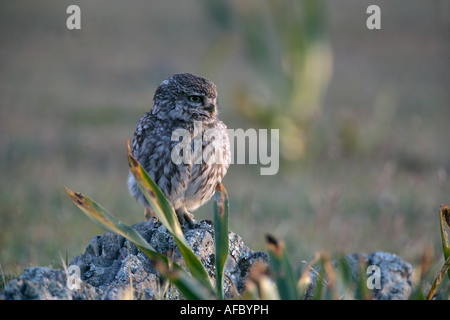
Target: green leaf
x=445, y=220
x=362, y=291
x=280, y=264
x=319, y=284
x=168, y=218
x=220, y=235
x=155, y=196
x=438, y=279
x=104, y=219
x=188, y=286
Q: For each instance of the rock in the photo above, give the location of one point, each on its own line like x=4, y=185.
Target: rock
x=41, y=283
x=395, y=275
x=110, y=262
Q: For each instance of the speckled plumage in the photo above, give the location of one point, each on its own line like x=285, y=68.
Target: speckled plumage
x=189, y=184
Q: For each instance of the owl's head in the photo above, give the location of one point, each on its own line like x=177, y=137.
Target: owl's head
x=186, y=97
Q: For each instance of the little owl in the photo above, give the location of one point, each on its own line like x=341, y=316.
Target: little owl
x=183, y=103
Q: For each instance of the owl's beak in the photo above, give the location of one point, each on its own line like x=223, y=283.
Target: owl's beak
x=211, y=108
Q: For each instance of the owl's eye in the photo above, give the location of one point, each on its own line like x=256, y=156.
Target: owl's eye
x=195, y=98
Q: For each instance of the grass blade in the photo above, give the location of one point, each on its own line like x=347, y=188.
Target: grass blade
x=155, y=197
x=220, y=235
x=445, y=220
x=104, y=219
x=168, y=218
x=279, y=263
x=320, y=284
x=259, y=285
x=438, y=279
x=331, y=284
x=188, y=286
x=305, y=279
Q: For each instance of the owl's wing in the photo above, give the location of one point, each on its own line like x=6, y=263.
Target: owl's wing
x=144, y=127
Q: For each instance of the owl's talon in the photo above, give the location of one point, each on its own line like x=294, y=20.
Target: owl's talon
x=190, y=221
x=184, y=216
x=153, y=220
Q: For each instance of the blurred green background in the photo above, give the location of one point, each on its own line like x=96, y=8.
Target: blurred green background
x=363, y=118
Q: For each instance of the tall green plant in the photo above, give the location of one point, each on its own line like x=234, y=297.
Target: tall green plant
x=285, y=47
x=220, y=236
x=190, y=287
x=168, y=218
x=444, y=215
x=282, y=269
x=444, y=219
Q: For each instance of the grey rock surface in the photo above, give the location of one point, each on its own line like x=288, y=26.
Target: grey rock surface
x=396, y=276
x=41, y=283
x=389, y=271
x=110, y=262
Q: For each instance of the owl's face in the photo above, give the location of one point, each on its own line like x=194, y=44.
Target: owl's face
x=186, y=97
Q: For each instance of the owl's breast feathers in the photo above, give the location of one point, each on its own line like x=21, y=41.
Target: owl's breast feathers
x=188, y=184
